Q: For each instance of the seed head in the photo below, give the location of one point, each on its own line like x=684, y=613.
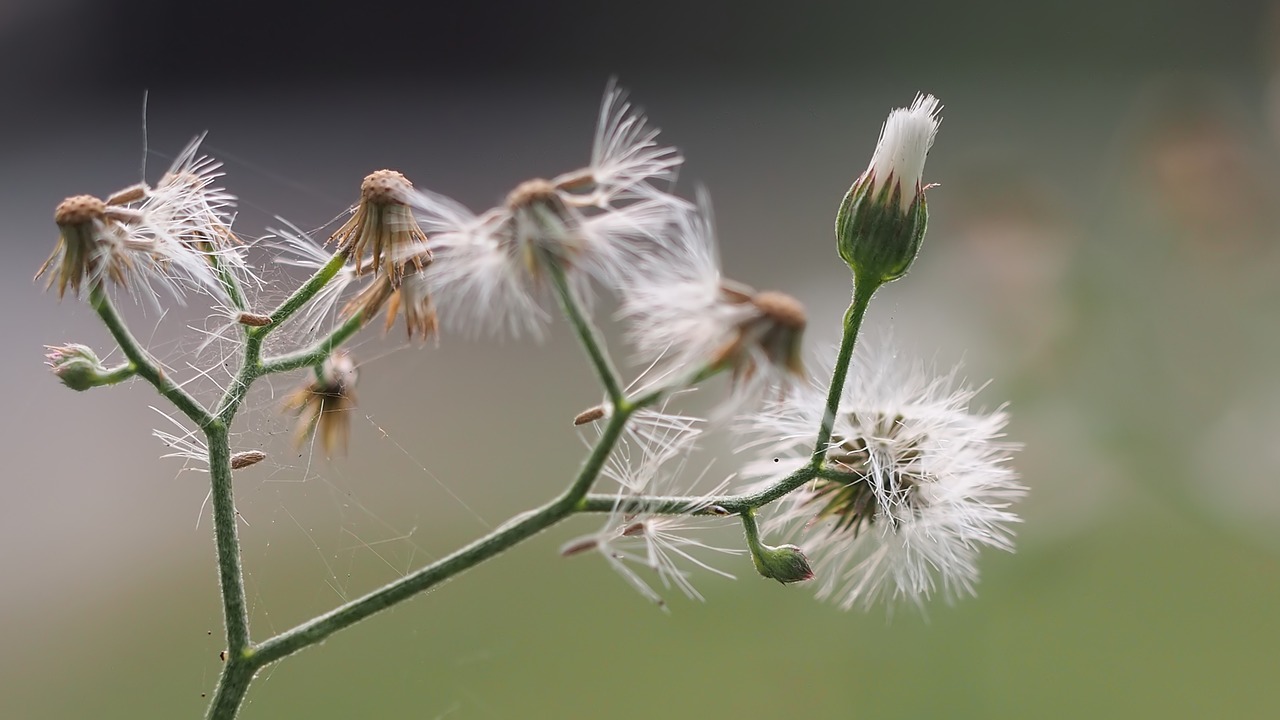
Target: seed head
x=916, y=482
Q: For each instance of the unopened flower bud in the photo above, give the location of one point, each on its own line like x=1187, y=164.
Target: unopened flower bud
x=882, y=219
x=785, y=563
x=77, y=366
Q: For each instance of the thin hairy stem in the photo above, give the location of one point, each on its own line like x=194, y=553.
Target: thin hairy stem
x=587, y=333
x=304, y=294
x=235, y=610
x=751, y=529
x=863, y=289
x=230, y=282
x=117, y=374
x=143, y=364
x=519, y=528
x=715, y=505
x=319, y=350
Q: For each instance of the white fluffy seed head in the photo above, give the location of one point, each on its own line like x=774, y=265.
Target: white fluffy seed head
x=683, y=315
x=595, y=224
x=926, y=483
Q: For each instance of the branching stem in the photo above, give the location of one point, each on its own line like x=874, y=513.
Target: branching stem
x=144, y=365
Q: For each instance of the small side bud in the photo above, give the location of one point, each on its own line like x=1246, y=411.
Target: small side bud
x=882, y=219
x=786, y=563
x=242, y=460
x=78, y=367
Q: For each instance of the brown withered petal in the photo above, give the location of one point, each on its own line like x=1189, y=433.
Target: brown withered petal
x=773, y=330
x=76, y=256
x=324, y=406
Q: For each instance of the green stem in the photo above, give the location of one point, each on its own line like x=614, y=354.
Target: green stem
x=117, y=374
x=863, y=289
x=318, y=351
x=229, y=281
x=676, y=505
x=235, y=610
x=142, y=362
x=587, y=333
x=752, y=530
x=232, y=687
x=511, y=533
x=241, y=664
x=304, y=294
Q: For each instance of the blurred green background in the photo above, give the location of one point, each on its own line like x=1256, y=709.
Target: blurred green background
x=1102, y=248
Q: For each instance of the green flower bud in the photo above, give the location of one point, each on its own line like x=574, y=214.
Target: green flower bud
x=882, y=219
x=786, y=563
x=77, y=366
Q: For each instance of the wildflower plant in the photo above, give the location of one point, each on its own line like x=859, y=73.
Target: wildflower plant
x=878, y=485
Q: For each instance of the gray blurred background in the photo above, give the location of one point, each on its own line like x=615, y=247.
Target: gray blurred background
x=1102, y=247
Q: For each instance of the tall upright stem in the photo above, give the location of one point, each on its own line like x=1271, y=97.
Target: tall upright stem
x=230, y=575
x=862, y=291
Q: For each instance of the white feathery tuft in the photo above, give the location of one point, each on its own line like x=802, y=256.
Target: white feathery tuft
x=935, y=484
x=905, y=140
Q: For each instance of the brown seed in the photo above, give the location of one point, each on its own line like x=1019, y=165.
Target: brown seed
x=589, y=415
x=242, y=460
x=253, y=319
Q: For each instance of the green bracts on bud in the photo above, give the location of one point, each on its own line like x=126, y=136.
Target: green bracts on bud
x=785, y=563
x=877, y=237
x=79, y=368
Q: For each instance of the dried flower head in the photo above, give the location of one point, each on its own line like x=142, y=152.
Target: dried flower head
x=143, y=239
x=188, y=204
x=383, y=226
x=91, y=245
x=593, y=224
x=919, y=483
x=325, y=404
x=685, y=314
